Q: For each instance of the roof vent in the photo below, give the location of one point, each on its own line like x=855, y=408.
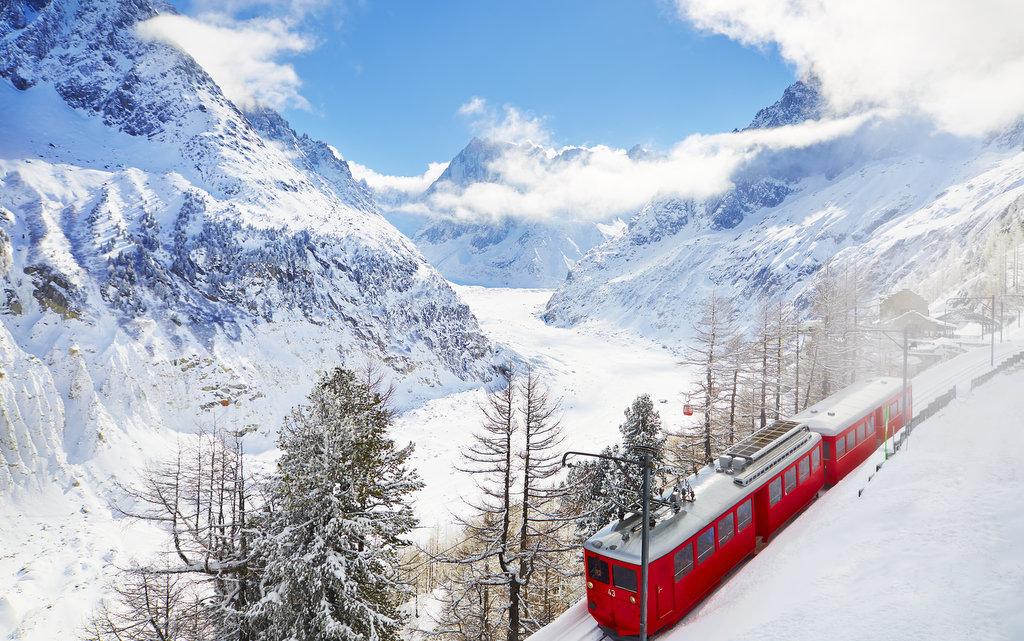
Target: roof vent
x=831, y=413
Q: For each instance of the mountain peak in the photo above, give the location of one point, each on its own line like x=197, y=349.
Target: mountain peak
x=801, y=101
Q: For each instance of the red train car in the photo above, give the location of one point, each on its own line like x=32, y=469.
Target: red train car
x=855, y=420
x=758, y=485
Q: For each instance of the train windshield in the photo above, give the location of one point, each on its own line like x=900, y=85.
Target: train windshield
x=624, y=578
x=597, y=569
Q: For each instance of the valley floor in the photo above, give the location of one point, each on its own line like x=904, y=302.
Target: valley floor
x=596, y=371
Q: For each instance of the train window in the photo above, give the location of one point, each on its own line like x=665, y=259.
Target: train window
x=840, y=447
x=744, y=515
x=871, y=423
x=624, y=578
x=804, y=468
x=705, y=544
x=726, y=529
x=828, y=449
x=815, y=459
x=597, y=569
x=775, y=491
x=790, y=479
x=851, y=441
x=683, y=561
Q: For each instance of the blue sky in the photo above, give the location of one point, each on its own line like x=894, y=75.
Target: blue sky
x=384, y=81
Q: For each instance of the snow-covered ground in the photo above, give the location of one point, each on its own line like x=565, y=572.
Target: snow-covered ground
x=929, y=550
x=58, y=548
x=596, y=371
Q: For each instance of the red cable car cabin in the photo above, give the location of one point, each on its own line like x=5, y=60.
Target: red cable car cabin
x=854, y=421
x=758, y=485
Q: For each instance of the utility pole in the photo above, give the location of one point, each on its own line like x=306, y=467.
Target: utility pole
x=645, y=543
x=645, y=462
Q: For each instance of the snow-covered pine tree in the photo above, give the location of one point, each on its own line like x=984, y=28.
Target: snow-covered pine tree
x=339, y=511
x=591, y=484
x=602, y=490
x=641, y=431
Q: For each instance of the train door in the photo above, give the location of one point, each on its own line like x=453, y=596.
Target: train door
x=664, y=590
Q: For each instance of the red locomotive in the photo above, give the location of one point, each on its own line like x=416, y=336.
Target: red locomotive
x=757, y=486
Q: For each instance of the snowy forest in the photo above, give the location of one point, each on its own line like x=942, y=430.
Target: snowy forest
x=321, y=547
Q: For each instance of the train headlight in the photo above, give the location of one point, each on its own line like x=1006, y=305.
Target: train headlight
x=632, y=599
x=590, y=585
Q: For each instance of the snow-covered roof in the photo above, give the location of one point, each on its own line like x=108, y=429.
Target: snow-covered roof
x=841, y=410
x=914, y=316
x=714, y=493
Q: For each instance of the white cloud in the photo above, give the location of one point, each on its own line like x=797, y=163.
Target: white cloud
x=475, y=106
x=601, y=183
x=241, y=57
x=958, y=62
x=408, y=186
x=510, y=124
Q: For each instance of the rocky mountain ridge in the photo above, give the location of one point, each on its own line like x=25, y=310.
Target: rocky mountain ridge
x=164, y=251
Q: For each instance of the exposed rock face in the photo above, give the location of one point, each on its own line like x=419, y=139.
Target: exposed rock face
x=800, y=101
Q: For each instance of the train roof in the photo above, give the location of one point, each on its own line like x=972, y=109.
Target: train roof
x=714, y=490
x=844, y=408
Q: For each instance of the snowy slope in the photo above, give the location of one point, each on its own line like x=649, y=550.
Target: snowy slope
x=169, y=265
x=151, y=232
x=902, y=202
x=927, y=551
x=507, y=252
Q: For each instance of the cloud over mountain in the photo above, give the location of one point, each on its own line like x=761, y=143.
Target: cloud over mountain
x=958, y=63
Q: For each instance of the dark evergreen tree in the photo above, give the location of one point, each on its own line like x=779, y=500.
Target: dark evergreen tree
x=339, y=512
x=603, y=490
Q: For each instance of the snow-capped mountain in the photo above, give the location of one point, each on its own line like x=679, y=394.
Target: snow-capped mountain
x=509, y=252
x=162, y=252
x=523, y=249
x=903, y=202
x=801, y=101
x=474, y=164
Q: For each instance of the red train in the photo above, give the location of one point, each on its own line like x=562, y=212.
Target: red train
x=847, y=419
x=757, y=486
